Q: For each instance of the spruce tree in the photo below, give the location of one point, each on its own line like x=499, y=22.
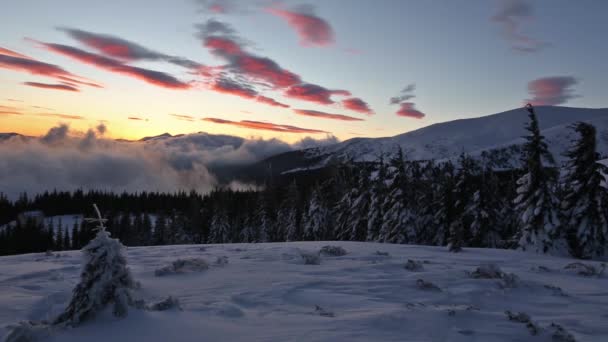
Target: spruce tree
x=443, y=205
x=584, y=202
x=316, y=221
x=398, y=221
x=378, y=193
x=485, y=210
x=355, y=216
x=288, y=216
x=462, y=194
x=105, y=279
x=535, y=201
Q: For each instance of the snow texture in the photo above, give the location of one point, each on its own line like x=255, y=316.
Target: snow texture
x=266, y=293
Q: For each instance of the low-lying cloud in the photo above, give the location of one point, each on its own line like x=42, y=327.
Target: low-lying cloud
x=67, y=160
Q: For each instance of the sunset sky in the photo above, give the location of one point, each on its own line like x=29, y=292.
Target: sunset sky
x=290, y=69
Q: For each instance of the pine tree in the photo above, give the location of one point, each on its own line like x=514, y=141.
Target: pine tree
x=220, y=228
x=66, y=240
x=354, y=208
x=535, y=201
x=288, y=216
x=443, y=205
x=316, y=222
x=462, y=194
x=584, y=201
x=59, y=239
x=76, y=236
x=378, y=195
x=485, y=212
x=398, y=222
x=105, y=279
x=160, y=231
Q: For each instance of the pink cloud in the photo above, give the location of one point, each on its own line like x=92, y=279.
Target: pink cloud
x=408, y=110
x=312, y=30
x=157, y=78
x=265, y=126
x=64, y=87
x=357, y=105
x=323, y=115
x=313, y=93
x=551, y=91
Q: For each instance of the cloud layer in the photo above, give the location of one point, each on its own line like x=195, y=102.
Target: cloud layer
x=67, y=160
x=223, y=42
x=552, y=91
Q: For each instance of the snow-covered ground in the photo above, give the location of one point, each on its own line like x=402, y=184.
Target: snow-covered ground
x=265, y=292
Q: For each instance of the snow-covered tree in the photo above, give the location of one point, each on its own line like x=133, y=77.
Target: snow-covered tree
x=105, y=279
x=485, y=212
x=462, y=195
x=378, y=195
x=288, y=216
x=535, y=201
x=443, y=205
x=219, y=230
x=398, y=222
x=316, y=220
x=584, y=204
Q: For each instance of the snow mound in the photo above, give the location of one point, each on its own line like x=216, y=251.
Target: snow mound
x=182, y=266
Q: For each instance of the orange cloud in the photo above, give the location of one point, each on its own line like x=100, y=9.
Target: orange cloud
x=323, y=115
x=267, y=126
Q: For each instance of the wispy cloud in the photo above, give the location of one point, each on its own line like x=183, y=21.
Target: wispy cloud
x=406, y=94
x=407, y=109
x=183, y=117
x=157, y=78
x=357, y=105
x=323, y=115
x=552, y=91
x=136, y=118
x=266, y=126
x=17, y=62
x=55, y=86
x=222, y=41
x=511, y=15
x=8, y=52
x=125, y=50
x=312, y=30
x=313, y=93
x=61, y=116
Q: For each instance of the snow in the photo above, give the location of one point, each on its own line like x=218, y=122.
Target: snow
x=448, y=139
x=266, y=292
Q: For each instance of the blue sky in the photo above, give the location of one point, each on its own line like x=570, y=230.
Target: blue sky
x=461, y=55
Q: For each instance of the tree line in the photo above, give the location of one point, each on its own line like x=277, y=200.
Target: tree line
x=542, y=207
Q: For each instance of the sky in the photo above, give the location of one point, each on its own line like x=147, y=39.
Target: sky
x=290, y=69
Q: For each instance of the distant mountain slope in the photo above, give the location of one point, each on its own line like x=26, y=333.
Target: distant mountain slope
x=493, y=134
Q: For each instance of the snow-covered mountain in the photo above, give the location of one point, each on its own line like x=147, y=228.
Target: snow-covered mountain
x=494, y=134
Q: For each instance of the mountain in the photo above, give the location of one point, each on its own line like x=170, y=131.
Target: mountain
x=498, y=135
